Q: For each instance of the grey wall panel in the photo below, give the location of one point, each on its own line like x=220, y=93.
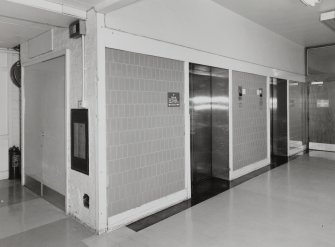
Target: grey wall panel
x=145, y=138
x=322, y=113
x=249, y=120
x=321, y=61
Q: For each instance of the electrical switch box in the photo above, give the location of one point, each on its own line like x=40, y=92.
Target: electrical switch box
x=77, y=29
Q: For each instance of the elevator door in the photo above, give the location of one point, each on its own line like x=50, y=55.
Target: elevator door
x=278, y=106
x=209, y=104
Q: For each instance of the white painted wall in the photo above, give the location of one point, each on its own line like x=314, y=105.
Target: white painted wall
x=44, y=123
x=207, y=26
x=79, y=184
x=9, y=110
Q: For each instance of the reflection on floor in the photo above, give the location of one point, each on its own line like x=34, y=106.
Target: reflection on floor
x=292, y=205
x=29, y=221
x=203, y=191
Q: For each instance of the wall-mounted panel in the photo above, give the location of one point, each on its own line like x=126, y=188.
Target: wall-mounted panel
x=145, y=137
x=249, y=119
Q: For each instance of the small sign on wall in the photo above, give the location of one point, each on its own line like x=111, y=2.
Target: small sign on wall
x=173, y=99
x=322, y=103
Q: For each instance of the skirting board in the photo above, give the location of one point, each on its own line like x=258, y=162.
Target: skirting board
x=250, y=168
x=297, y=150
x=322, y=146
x=3, y=175
x=147, y=209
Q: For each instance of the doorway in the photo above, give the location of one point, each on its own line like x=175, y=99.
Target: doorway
x=279, y=124
x=322, y=116
x=209, y=110
x=44, y=130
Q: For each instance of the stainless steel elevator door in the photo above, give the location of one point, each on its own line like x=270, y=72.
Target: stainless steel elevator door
x=220, y=123
x=278, y=106
x=201, y=123
x=209, y=106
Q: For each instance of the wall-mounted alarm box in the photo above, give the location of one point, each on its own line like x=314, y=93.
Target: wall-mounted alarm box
x=79, y=141
x=77, y=29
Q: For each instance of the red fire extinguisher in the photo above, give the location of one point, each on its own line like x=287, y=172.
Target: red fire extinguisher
x=14, y=163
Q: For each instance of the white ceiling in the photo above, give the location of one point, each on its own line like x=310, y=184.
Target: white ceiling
x=19, y=23
x=79, y=4
x=289, y=18
x=21, y=20
x=14, y=32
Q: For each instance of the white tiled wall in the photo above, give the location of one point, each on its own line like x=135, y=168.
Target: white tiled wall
x=145, y=138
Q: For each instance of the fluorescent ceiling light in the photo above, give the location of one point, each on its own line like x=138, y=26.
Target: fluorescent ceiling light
x=310, y=2
x=317, y=83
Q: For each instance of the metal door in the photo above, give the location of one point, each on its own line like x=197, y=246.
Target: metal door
x=278, y=106
x=209, y=105
x=201, y=122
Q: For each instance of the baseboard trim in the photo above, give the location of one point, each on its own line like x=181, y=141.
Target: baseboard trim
x=4, y=175
x=248, y=169
x=145, y=210
x=54, y=197
x=322, y=146
x=297, y=150
x=47, y=193
x=33, y=185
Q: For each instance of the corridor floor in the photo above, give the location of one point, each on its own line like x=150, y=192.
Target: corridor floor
x=291, y=205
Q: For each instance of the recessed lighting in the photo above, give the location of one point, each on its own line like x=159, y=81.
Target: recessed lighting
x=317, y=83
x=311, y=3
